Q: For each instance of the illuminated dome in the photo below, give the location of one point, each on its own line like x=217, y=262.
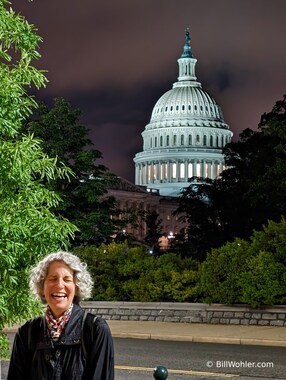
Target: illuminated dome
x=185, y=135
x=186, y=103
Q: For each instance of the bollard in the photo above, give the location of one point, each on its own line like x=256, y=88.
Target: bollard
x=160, y=373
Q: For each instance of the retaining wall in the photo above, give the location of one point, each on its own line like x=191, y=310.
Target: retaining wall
x=188, y=313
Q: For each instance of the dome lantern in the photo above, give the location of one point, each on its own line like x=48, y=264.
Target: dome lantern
x=187, y=62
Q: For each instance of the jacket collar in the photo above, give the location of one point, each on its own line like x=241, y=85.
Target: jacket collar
x=72, y=332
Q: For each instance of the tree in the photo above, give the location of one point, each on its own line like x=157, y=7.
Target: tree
x=64, y=137
x=154, y=230
x=251, y=191
x=28, y=227
x=204, y=224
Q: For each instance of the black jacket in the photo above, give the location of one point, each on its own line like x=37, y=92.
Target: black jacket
x=80, y=353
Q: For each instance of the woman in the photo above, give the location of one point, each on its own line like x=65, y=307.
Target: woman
x=66, y=343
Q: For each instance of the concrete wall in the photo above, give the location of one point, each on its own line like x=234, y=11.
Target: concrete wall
x=188, y=313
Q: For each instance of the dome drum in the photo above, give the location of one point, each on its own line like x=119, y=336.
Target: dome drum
x=185, y=138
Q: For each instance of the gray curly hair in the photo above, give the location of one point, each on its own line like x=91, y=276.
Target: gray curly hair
x=82, y=278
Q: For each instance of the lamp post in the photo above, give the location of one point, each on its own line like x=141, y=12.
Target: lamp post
x=170, y=237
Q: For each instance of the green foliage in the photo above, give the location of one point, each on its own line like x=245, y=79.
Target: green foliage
x=248, y=272
x=264, y=281
x=28, y=227
x=64, y=137
x=19, y=43
x=252, y=272
x=132, y=274
x=220, y=272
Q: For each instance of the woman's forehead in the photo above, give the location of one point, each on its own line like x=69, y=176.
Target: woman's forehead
x=59, y=266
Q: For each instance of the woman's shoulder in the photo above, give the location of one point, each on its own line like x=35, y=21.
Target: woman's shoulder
x=95, y=324
x=34, y=323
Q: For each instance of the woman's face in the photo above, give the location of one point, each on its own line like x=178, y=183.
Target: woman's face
x=59, y=287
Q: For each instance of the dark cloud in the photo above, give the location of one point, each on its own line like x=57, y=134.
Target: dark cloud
x=114, y=59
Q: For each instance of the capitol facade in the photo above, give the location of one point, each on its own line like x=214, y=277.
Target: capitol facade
x=185, y=136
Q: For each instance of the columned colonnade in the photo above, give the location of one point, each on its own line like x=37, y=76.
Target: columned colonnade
x=177, y=170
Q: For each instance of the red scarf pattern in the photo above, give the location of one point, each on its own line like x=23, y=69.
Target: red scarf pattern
x=56, y=325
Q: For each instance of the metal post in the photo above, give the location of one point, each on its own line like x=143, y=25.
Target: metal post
x=160, y=373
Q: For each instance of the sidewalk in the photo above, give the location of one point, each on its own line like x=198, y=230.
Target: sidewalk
x=197, y=332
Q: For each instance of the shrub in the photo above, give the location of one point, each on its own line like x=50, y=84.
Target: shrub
x=264, y=282
x=248, y=272
x=121, y=273
x=220, y=273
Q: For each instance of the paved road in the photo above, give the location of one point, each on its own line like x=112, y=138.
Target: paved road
x=187, y=360
x=135, y=360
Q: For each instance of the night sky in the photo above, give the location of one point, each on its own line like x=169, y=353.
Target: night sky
x=113, y=59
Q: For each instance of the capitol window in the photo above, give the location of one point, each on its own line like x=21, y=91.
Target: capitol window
x=205, y=140
x=174, y=139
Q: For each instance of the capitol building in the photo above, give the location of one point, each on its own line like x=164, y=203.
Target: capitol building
x=185, y=135
x=183, y=142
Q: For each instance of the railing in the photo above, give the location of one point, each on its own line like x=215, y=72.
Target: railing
x=160, y=373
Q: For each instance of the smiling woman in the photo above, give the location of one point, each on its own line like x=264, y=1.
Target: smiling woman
x=66, y=343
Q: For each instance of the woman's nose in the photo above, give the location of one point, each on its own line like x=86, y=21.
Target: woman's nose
x=60, y=282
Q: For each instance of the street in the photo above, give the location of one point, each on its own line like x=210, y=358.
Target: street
x=199, y=360
x=136, y=359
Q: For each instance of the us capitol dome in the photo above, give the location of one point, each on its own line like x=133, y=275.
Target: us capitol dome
x=185, y=135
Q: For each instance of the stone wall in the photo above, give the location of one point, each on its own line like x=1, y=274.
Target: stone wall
x=188, y=313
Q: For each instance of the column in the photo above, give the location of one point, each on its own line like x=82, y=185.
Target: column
x=151, y=172
x=146, y=173
x=177, y=170
x=169, y=178
x=137, y=174
x=203, y=171
x=209, y=170
x=186, y=170
x=157, y=171
x=195, y=168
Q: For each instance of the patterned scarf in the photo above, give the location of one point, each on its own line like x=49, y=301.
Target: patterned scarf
x=56, y=326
